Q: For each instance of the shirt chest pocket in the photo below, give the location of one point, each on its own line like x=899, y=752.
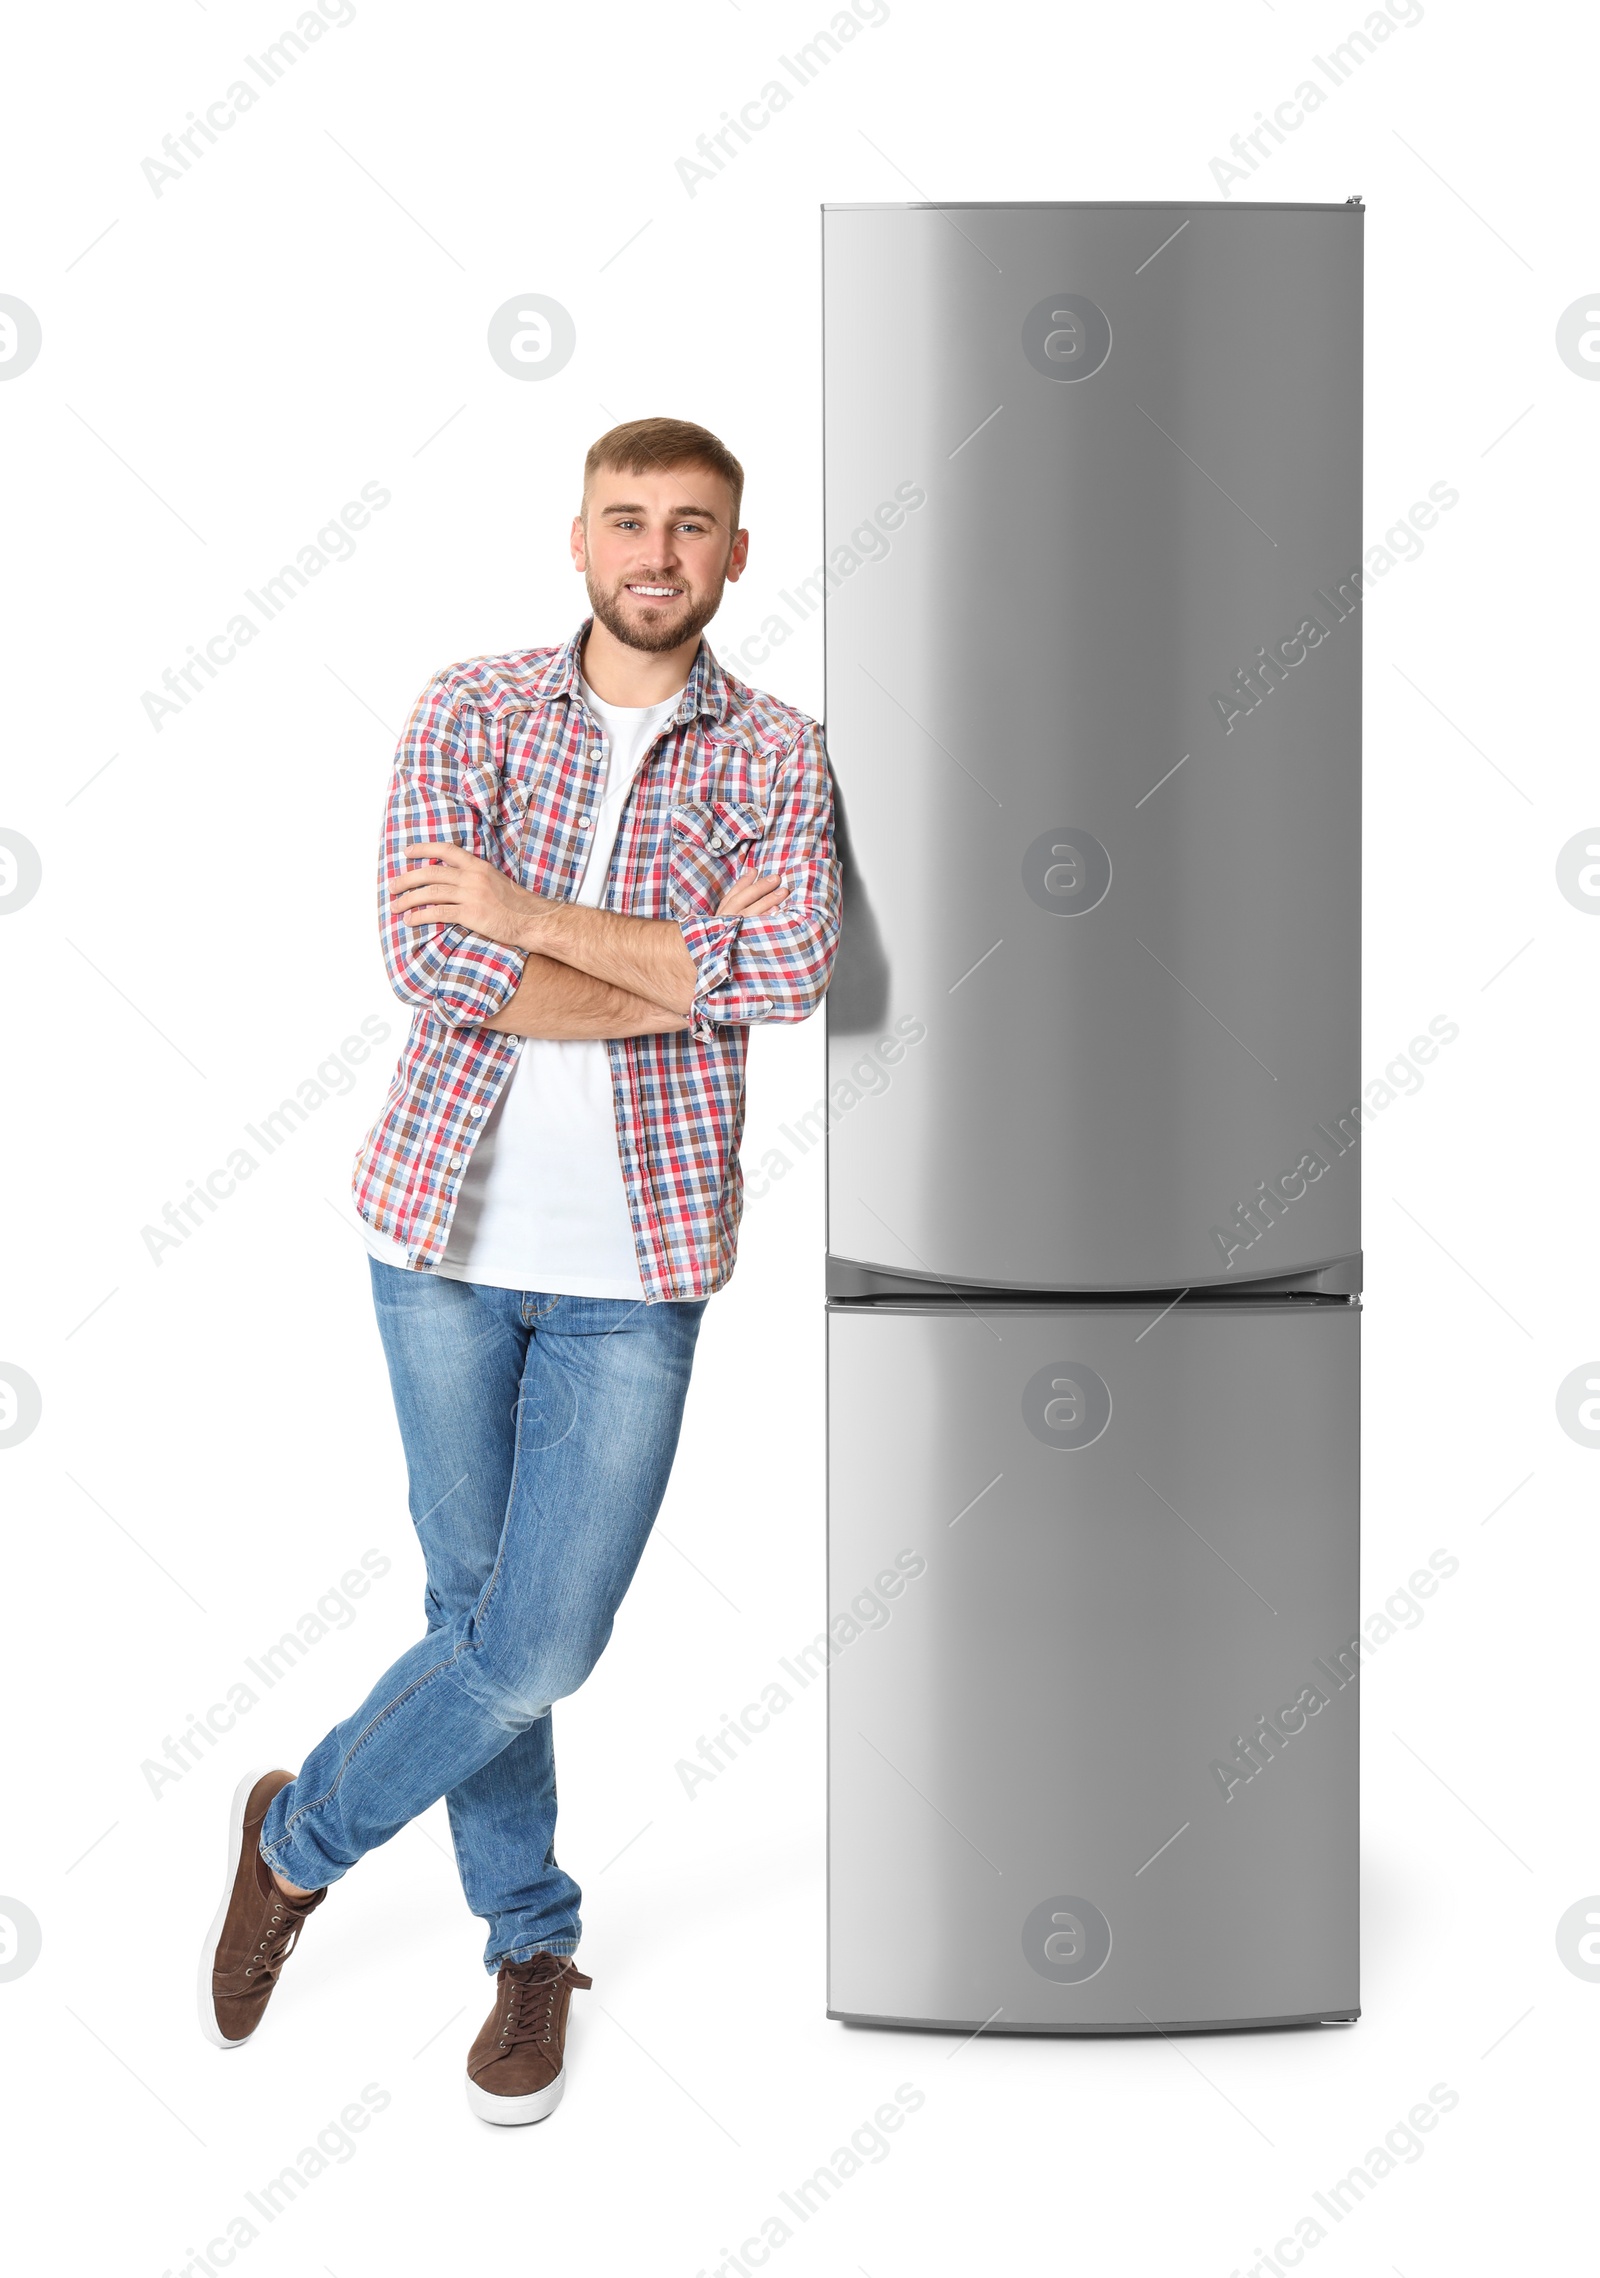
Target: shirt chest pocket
x=712, y=842
x=527, y=847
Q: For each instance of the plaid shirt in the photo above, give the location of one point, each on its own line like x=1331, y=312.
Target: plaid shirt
x=500, y=756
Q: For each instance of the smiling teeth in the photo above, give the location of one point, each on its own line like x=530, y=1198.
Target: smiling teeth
x=667, y=590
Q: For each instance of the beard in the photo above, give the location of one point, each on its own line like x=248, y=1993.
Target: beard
x=657, y=630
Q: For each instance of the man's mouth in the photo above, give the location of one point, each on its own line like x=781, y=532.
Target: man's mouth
x=654, y=592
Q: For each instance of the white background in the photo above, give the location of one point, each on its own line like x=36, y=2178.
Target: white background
x=223, y=367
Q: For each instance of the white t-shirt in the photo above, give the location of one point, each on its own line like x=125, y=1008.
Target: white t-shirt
x=541, y=1203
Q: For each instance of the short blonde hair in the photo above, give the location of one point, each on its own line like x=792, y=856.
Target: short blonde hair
x=647, y=446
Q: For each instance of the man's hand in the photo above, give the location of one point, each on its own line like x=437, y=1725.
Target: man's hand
x=646, y=957
x=566, y=1004
x=751, y=896
x=453, y=887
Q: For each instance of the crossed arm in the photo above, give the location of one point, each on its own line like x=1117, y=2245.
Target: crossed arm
x=588, y=974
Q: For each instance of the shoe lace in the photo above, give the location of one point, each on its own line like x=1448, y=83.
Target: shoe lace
x=531, y=2000
x=283, y=1928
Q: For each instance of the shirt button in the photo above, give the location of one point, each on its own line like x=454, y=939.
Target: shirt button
x=719, y=846
x=456, y=1162
x=475, y=1113
x=585, y=822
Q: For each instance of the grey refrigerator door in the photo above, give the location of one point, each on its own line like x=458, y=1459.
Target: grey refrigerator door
x=1093, y=521
x=1092, y=1694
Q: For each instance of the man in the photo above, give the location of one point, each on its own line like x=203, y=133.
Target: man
x=601, y=864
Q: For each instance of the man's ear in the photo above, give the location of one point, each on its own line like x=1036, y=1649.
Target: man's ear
x=579, y=548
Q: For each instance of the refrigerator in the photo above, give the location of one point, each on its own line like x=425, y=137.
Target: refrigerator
x=1092, y=592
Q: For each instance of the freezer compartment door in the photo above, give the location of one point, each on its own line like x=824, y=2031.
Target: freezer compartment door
x=1094, y=1679
x=1094, y=712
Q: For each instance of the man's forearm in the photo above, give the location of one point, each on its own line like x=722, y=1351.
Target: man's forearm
x=643, y=957
x=559, y=1001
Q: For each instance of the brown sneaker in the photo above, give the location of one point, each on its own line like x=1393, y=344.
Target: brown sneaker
x=256, y=1927
x=514, y=2070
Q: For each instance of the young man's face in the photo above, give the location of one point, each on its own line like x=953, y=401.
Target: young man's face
x=655, y=551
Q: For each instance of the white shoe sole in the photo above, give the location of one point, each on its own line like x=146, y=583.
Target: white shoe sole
x=516, y=2111
x=208, y=1952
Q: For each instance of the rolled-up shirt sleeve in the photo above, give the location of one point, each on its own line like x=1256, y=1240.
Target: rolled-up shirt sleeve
x=437, y=794
x=751, y=969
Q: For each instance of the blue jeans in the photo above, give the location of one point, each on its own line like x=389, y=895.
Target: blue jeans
x=539, y=1432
